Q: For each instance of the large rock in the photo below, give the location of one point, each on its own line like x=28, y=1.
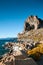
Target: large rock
x=8, y=59
x=33, y=26
x=40, y=62
x=32, y=22
x=28, y=61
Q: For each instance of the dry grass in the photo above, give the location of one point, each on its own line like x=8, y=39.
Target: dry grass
x=37, y=51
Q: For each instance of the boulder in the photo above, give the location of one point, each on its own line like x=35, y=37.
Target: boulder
x=31, y=22
x=27, y=61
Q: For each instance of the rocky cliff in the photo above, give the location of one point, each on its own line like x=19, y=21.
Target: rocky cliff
x=27, y=42
x=33, y=29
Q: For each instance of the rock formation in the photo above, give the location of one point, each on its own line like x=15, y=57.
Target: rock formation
x=27, y=61
x=32, y=22
x=32, y=35
x=26, y=45
x=33, y=28
x=8, y=59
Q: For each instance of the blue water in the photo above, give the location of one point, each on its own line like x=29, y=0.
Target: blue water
x=3, y=41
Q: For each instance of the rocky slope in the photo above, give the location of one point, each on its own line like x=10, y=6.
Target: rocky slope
x=27, y=41
x=35, y=35
x=33, y=29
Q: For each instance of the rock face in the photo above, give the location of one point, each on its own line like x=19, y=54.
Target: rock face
x=33, y=28
x=8, y=59
x=31, y=36
x=28, y=61
x=34, y=35
x=32, y=22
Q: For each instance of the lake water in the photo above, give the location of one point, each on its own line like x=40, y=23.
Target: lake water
x=3, y=41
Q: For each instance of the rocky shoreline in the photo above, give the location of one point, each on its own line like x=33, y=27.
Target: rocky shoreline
x=29, y=48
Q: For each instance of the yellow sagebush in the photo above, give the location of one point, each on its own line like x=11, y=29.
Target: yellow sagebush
x=36, y=51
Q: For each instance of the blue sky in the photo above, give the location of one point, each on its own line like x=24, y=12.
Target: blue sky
x=13, y=14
